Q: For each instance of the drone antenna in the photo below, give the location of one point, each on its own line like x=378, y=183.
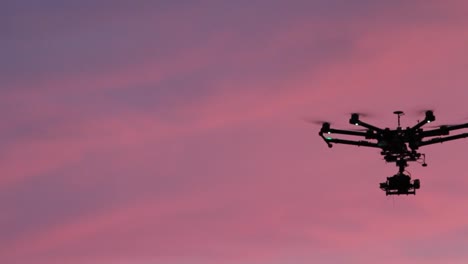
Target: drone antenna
x=399, y=113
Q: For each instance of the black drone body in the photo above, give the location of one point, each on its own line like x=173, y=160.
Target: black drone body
x=397, y=145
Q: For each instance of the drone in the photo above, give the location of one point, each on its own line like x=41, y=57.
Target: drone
x=398, y=146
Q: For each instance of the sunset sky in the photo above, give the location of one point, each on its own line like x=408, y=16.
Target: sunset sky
x=173, y=132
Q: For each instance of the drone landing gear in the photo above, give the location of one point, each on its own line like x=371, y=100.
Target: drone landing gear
x=424, y=164
x=400, y=183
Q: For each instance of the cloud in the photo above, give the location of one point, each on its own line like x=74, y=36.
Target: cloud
x=201, y=154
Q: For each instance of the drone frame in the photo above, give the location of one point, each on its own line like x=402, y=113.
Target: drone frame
x=372, y=133
x=394, y=143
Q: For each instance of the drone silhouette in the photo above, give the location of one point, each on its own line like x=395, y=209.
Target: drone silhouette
x=397, y=145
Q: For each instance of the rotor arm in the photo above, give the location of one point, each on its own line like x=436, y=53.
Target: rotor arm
x=454, y=127
x=420, y=124
x=429, y=118
x=368, y=126
x=327, y=130
x=354, y=120
x=442, y=139
x=443, y=130
x=325, y=139
x=347, y=132
x=359, y=143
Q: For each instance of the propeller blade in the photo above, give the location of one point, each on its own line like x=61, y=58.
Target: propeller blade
x=321, y=122
x=361, y=114
x=315, y=121
x=423, y=110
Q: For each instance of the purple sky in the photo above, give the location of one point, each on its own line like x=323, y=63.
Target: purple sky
x=172, y=132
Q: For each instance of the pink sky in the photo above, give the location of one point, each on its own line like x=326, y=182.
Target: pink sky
x=172, y=132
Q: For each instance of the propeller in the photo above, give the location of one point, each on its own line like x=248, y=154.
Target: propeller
x=423, y=110
x=322, y=122
x=315, y=121
x=361, y=114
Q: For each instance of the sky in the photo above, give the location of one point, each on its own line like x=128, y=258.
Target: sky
x=173, y=132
